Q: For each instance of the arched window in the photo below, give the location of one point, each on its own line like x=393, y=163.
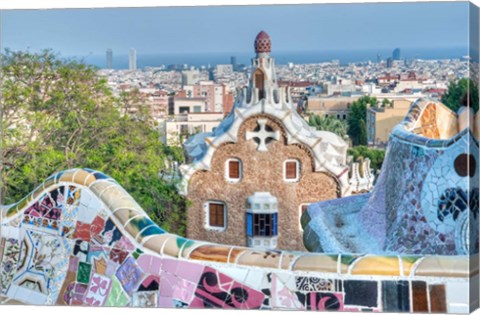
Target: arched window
x=259, y=79
x=291, y=170
x=216, y=215
x=233, y=170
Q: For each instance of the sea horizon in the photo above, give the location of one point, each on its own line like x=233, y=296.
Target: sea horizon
x=120, y=61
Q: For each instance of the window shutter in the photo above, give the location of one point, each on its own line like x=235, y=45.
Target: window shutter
x=234, y=169
x=274, y=224
x=216, y=215
x=291, y=170
x=249, y=224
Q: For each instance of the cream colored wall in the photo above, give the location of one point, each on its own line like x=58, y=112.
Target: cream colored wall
x=387, y=120
x=325, y=105
x=173, y=128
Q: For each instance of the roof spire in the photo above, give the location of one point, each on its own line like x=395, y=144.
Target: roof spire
x=263, y=44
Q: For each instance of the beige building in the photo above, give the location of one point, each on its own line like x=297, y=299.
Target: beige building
x=159, y=104
x=381, y=120
x=217, y=96
x=330, y=106
x=185, y=105
x=176, y=130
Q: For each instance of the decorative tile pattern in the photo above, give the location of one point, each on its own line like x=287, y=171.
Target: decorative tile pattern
x=97, y=263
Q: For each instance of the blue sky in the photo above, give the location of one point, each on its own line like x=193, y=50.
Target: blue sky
x=232, y=29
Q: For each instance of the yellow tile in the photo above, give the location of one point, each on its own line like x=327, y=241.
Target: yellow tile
x=321, y=263
x=82, y=177
x=377, y=265
x=155, y=243
x=259, y=258
x=216, y=253
x=443, y=266
x=67, y=176
x=124, y=215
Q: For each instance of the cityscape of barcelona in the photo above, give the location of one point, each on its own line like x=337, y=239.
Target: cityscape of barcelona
x=316, y=157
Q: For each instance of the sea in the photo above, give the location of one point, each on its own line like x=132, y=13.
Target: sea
x=120, y=61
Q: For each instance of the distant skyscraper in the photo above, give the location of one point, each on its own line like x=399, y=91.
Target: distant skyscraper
x=132, y=61
x=233, y=61
x=109, y=58
x=396, y=54
x=389, y=62
x=379, y=58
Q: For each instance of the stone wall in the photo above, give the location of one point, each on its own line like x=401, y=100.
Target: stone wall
x=262, y=171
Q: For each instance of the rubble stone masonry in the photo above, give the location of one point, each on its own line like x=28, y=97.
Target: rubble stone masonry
x=261, y=172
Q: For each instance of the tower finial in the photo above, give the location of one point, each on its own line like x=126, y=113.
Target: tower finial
x=263, y=44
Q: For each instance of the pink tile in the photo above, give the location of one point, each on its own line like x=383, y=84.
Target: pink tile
x=144, y=261
x=165, y=302
x=170, y=265
x=184, y=290
x=73, y=264
x=156, y=265
x=189, y=271
x=167, y=283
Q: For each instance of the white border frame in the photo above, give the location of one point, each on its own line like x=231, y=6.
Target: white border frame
x=299, y=168
x=206, y=208
x=227, y=170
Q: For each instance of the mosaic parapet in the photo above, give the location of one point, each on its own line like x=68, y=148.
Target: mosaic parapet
x=81, y=239
x=425, y=199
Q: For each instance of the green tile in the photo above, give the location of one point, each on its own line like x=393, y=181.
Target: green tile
x=117, y=296
x=83, y=275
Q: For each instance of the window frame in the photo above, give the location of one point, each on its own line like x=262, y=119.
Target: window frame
x=254, y=230
x=227, y=170
x=298, y=169
x=208, y=225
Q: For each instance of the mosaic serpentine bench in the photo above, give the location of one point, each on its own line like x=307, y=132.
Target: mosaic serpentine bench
x=425, y=201
x=81, y=239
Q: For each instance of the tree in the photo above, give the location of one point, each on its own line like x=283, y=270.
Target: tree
x=376, y=156
x=362, y=136
x=59, y=114
x=357, y=119
x=385, y=102
x=328, y=123
x=460, y=93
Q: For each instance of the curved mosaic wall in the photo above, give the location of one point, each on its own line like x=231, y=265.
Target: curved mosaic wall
x=425, y=201
x=80, y=239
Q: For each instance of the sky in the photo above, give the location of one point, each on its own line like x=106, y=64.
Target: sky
x=232, y=29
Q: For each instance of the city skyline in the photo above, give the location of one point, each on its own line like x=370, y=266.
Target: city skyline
x=222, y=29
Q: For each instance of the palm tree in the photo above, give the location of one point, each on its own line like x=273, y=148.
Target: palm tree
x=328, y=123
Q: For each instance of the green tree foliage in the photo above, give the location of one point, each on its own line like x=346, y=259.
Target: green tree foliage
x=362, y=136
x=357, y=119
x=376, y=156
x=59, y=115
x=328, y=123
x=459, y=92
x=386, y=102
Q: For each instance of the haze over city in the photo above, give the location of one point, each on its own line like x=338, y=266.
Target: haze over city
x=349, y=32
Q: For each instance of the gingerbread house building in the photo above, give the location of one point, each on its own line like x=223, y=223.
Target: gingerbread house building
x=250, y=180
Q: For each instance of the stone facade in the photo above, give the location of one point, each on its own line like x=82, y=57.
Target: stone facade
x=275, y=153
x=261, y=171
